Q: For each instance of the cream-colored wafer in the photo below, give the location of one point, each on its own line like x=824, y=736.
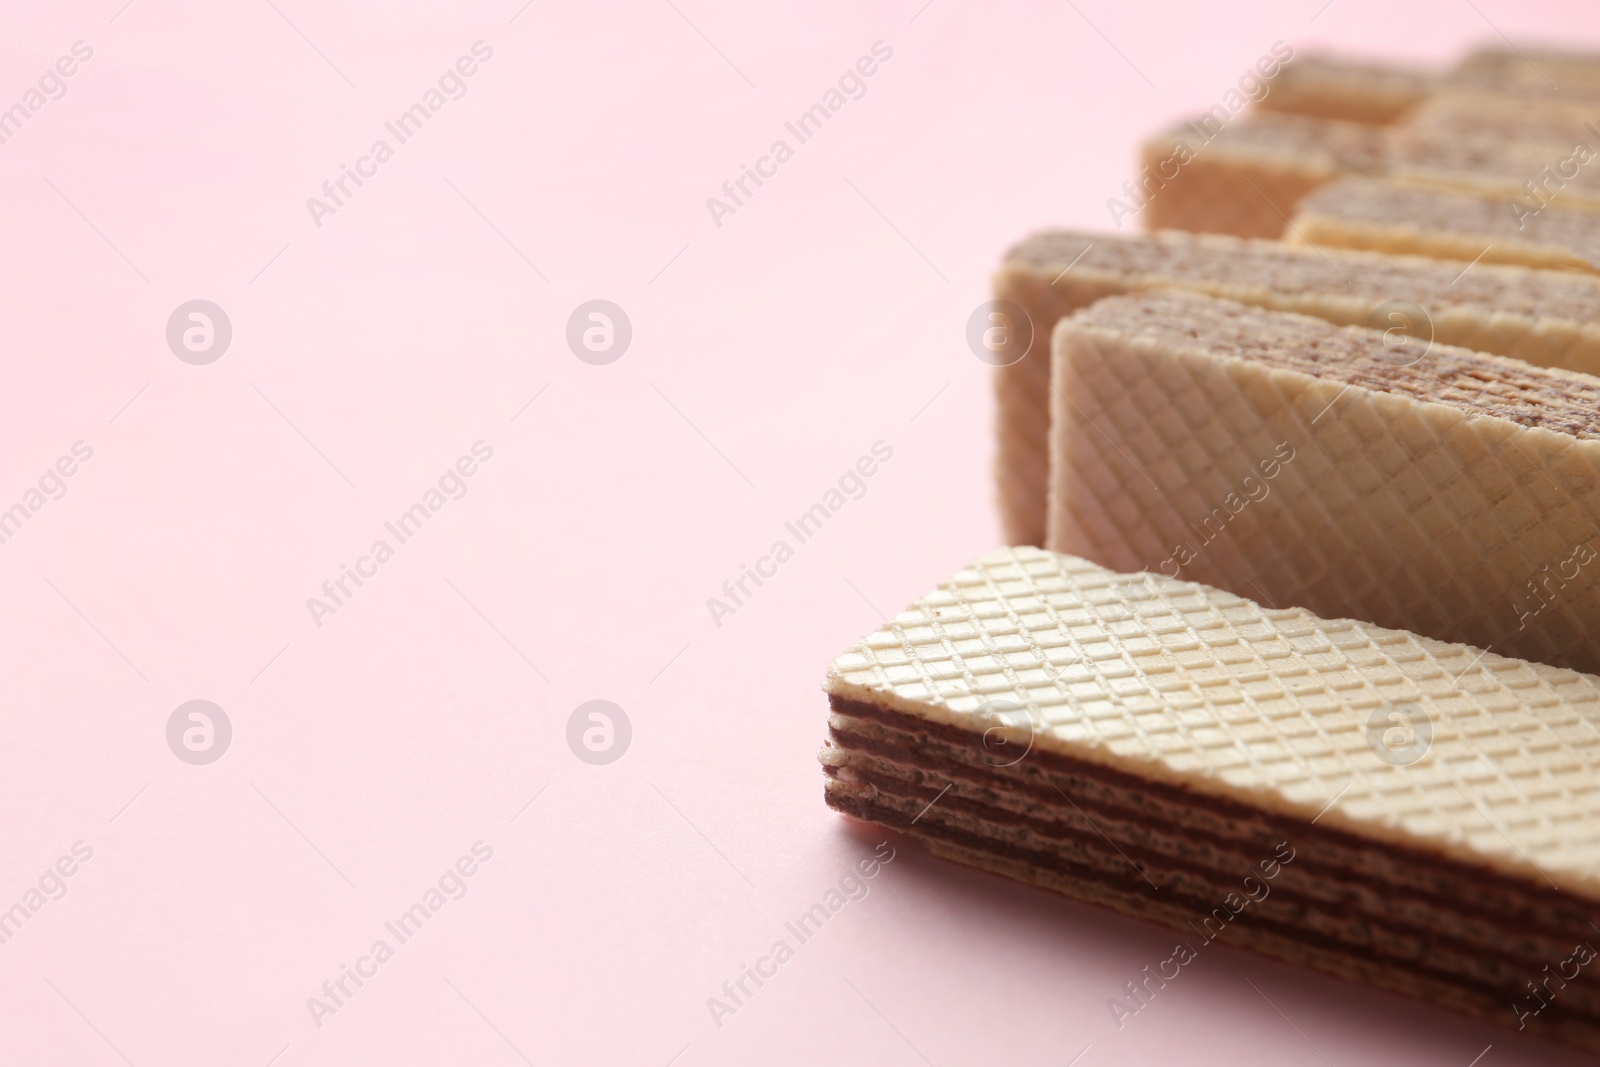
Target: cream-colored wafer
x=1417, y=815
x=1247, y=178
x=1489, y=162
x=1427, y=488
x=1336, y=87
x=1512, y=116
x=1546, y=317
x=1538, y=69
x=1333, y=86
x=1403, y=218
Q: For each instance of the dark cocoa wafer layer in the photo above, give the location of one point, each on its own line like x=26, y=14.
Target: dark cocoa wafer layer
x=1435, y=883
x=1487, y=1005
x=1285, y=900
x=1378, y=804
x=1284, y=903
x=1316, y=898
x=1098, y=884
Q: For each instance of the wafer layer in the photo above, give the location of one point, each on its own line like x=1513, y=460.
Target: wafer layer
x=1511, y=116
x=1380, y=93
x=1167, y=749
x=1248, y=177
x=1330, y=87
x=1544, y=317
x=1245, y=176
x=1434, y=489
x=1536, y=68
x=1402, y=218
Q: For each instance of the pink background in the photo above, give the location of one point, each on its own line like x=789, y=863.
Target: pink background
x=368, y=754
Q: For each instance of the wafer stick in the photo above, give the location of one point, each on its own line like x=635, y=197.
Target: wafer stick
x=1411, y=814
x=1356, y=474
x=1334, y=87
x=1546, y=317
x=1329, y=86
x=1248, y=178
x=1514, y=116
x=1402, y=218
x=1535, y=68
x=1245, y=178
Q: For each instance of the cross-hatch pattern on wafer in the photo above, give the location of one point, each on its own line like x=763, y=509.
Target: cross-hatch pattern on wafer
x=1182, y=683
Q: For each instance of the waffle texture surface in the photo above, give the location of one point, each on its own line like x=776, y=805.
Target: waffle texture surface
x=1451, y=493
x=1550, y=318
x=1182, y=683
x=1405, y=219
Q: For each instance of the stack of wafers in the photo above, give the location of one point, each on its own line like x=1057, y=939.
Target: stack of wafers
x=1297, y=642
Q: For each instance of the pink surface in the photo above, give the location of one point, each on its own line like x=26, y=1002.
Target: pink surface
x=372, y=751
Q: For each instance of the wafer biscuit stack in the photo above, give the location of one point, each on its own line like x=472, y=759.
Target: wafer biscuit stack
x=1482, y=127
x=1311, y=658
x=1491, y=125
x=1331, y=87
x=1537, y=69
x=1416, y=815
x=1546, y=317
x=1524, y=116
x=1407, y=219
x=1248, y=178
x=1422, y=487
x=1377, y=92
